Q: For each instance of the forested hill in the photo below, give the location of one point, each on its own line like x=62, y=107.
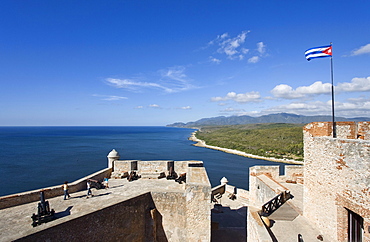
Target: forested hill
x=271, y=118
x=268, y=140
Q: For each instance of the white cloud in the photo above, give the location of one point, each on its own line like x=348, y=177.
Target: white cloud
x=186, y=108
x=244, y=50
x=356, y=85
x=311, y=108
x=231, y=46
x=253, y=59
x=350, y=108
x=218, y=38
x=358, y=99
x=239, y=98
x=110, y=97
x=139, y=107
x=174, y=73
x=175, y=79
x=261, y=48
x=287, y=92
x=234, y=47
x=154, y=106
x=362, y=106
x=214, y=60
x=231, y=110
x=223, y=36
x=315, y=88
x=172, y=80
x=132, y=84
x=362, y=50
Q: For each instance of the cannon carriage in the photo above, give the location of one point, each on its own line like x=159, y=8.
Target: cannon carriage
x=44, y=214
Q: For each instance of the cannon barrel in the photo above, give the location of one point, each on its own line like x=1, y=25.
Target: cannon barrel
x=43, y=211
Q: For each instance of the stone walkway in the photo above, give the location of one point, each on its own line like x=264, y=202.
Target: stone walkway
x=15, y=222
x=288, y=222
x=230, y=219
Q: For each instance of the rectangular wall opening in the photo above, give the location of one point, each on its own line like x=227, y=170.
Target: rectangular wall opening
x=355, y=227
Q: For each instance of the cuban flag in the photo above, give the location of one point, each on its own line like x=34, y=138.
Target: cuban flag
x=318, y=52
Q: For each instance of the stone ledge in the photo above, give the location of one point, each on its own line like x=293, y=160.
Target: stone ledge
x=152, y=175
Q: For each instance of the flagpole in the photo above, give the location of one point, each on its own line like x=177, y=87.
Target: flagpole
x=332, y=97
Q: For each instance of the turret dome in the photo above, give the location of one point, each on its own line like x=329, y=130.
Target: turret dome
x=113, y=154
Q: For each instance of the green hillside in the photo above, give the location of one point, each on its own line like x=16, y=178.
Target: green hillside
x=279, y=140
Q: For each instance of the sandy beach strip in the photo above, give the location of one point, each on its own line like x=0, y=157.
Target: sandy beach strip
x=202, y=143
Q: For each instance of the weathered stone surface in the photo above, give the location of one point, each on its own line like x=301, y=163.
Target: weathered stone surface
x=34, y=196
x=142, y=210
x=125, y=221
x=336, y=176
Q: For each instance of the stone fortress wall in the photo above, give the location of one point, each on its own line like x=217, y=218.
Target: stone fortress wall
x=265, y=184
x=183, y=214
x=54, y=191
x=131, y=220
x=337, y=176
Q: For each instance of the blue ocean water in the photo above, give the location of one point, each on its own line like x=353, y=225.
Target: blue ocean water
x=37, y=157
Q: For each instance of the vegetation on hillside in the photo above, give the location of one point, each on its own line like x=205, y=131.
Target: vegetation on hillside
x=279, y=140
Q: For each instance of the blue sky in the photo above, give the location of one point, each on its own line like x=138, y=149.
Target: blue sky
x=159, y=62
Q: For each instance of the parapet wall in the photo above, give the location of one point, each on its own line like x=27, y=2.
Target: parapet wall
x=344, y=130
x=186, y=216
x=263, y=186
x=337, y=176
x=135, y=219
x=198, y=203
x=123, y=167
x=34, y=196
x=182, y=213
x=256, y=230
x=173, y=215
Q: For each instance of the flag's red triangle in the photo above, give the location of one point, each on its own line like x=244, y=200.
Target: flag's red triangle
x=327, y=51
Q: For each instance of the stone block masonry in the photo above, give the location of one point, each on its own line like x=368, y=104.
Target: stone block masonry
x=141, y=210
x=337, y=177
x=34, y=196
x=125, y=221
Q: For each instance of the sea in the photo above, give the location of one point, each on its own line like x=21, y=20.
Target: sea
x=37, y=157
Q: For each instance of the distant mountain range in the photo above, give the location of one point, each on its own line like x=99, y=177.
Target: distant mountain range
x=271, y=118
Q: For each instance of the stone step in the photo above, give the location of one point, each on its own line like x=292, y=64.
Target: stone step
x=152, y=175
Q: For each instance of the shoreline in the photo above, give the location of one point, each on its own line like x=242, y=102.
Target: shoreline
x=202, y=143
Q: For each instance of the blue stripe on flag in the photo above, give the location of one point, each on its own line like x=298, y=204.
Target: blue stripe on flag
x=320, y=47
x=317, y=52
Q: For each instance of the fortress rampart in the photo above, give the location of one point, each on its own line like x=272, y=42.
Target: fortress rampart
x=50, y=192
x=265, y=183
x=330, y=198
x=336, y=188
x=147, y=209
x=337, y=176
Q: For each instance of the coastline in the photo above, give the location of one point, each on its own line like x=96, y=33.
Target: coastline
x=202, y=143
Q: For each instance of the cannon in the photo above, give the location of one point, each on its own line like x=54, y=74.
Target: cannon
x=172, y=175
x=181, y=178
x=44, y=214
x=96, y=184
x=133, y=176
